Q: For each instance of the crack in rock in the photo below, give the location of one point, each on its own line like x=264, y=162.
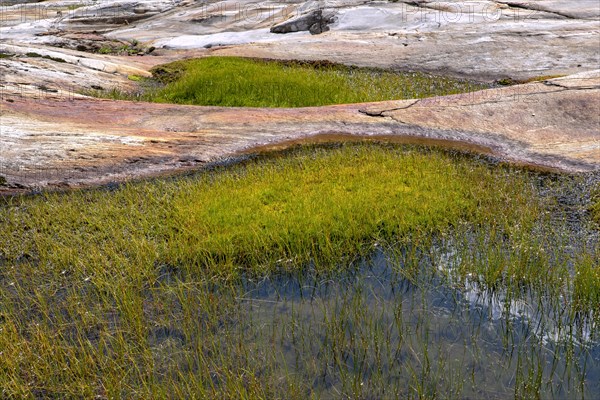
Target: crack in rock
x=554, y=83
x=532, y=7
x=381, y=113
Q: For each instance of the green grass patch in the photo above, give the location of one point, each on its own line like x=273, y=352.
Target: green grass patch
x=115, y=292
x=586, y=290
x=315, y=204
x=241, y=82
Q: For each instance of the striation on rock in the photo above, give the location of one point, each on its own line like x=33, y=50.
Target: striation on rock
x=52, y=135
x=58, y=142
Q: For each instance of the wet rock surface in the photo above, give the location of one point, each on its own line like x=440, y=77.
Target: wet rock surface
x=52, y=52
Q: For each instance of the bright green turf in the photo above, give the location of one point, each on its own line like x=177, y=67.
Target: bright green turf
x=240, y=82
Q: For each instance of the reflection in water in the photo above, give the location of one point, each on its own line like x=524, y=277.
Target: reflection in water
x=378, y=332
x=526, y=308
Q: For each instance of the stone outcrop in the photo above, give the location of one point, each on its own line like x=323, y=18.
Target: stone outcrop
x=53, y=135
x=56, y=142
x=314, y=21
x=478, y=39
x=110, y=14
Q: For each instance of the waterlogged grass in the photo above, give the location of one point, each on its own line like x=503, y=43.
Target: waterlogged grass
x=322, y=204
x=595, y=204
x=587, y=282
x=154, y=289
x=240, y=82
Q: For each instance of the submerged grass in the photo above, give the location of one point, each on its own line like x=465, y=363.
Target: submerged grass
x=123, y=292
x=242, y=82
x=595, y=204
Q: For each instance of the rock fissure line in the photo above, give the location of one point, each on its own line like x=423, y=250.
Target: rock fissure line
x=508, y=99
x=557, y=84
x=380, y=113
x=528, y=7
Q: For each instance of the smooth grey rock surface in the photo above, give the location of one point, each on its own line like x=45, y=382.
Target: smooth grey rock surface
x=480, y=39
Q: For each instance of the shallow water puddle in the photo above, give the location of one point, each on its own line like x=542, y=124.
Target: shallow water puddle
x=374, y=332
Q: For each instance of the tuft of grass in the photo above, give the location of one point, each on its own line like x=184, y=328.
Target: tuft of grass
x=37, y=55
x=123, y=48
x=586, y=291
x=242, y=82
x=541, y=78
x=106, y=50
x=595, y=204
